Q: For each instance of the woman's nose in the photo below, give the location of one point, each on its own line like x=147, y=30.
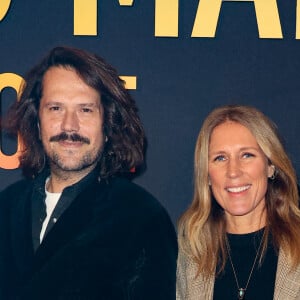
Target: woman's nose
x=233, y=168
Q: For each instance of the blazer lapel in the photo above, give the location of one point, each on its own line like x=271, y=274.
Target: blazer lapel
x=71, y=222
x=287, y=285
x=189, y=285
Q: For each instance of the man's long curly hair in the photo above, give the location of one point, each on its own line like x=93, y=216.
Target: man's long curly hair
x=125, y=140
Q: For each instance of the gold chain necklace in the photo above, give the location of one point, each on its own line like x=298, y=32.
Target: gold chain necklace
x=242, y=291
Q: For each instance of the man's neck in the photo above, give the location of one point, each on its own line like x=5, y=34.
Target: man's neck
x=60, y=179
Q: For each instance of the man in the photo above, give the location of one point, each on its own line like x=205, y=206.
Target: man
x=77, y=228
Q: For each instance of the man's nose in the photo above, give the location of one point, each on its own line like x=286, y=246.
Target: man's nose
x=70, y=122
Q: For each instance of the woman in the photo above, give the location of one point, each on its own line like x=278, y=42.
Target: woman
x=240, y=237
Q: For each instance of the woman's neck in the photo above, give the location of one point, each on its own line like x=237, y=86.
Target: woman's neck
x=241, y=225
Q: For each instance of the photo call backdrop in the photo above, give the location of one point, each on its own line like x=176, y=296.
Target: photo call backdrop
x=179, y=58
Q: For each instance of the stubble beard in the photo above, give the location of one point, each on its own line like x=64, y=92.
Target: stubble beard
x=81, y=165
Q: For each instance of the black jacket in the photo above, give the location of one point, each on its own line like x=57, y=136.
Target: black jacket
x=114, y=241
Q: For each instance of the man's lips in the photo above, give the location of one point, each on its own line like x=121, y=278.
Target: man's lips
x=68, y=143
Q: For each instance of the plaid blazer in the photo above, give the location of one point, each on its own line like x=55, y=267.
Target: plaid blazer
x=287, y=284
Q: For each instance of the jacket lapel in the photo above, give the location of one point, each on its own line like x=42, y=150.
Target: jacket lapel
x=190, y=286
x=287, y=285
x=76, y=217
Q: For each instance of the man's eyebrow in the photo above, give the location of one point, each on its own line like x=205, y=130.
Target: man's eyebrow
x=89, y=104
x=53, y=103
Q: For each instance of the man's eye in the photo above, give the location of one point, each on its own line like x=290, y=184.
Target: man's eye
x=87, y=110
x=54, y=108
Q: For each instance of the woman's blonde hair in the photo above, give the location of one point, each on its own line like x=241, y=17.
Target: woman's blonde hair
x=202, y=227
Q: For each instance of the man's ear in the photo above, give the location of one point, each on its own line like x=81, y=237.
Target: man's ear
x=39, y=130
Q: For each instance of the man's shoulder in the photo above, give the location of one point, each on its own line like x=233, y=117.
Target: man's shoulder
x=134, y=197
x=125, y=188
x=121, y=184
x=135, y=208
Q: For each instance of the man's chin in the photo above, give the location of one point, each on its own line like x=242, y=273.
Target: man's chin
x=72, y=167
x=73, y=163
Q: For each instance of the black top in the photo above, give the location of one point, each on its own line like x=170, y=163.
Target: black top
x=243, y=251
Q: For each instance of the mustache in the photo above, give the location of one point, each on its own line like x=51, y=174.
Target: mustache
x=74, y=137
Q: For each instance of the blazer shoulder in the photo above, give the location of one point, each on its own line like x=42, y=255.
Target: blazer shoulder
x=287, y=284
x=189, y=284
x=133, y=193
x=136, y=201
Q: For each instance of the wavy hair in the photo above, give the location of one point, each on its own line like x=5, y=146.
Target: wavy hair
x=125, y=146
x=202, y=228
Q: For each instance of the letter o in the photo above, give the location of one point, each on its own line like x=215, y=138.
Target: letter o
x=4, y=6
x=14, y=81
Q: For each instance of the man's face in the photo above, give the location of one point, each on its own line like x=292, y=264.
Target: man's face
x=71, y=119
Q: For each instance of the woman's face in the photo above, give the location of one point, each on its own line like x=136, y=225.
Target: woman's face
x=238, y=172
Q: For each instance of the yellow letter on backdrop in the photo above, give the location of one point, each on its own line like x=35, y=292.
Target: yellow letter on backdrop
x=297, y=21
x=126, y=2
x=130, y=82
x=266, y=13
x=85, y=17
x=166, y=18
x=4, y=6
x=14, y=81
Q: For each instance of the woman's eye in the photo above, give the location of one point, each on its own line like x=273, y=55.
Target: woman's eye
x=219, y=158
x=246, y=155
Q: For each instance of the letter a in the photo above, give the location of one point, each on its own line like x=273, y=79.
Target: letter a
x=267, y=15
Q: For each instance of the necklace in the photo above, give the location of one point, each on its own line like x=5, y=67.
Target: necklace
x=242, y=291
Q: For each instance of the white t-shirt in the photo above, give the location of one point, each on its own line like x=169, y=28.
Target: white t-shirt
x=50, y=201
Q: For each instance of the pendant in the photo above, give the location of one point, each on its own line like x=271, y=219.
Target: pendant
x=241, y=293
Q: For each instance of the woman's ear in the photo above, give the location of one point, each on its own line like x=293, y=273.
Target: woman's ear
x=271, y=172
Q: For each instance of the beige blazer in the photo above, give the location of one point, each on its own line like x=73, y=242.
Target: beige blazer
x=287, y=284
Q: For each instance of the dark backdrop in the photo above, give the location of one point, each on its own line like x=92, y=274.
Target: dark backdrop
x=179, y=79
